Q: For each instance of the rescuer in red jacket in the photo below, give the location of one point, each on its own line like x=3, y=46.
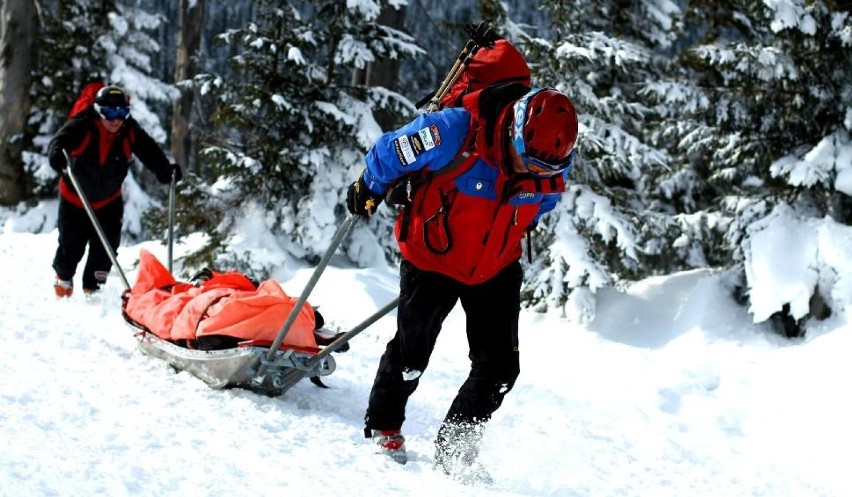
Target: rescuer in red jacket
x=101, y=141
x=474, y=179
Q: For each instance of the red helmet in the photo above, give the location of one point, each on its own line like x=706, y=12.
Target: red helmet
x=544, y=131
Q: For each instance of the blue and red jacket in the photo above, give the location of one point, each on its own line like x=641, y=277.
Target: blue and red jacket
x=467, y=223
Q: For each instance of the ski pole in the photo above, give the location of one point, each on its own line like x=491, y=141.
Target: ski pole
x=88, y=207
x=344, y=229
x=451, y=77
x=479, y=37
x=171, y=218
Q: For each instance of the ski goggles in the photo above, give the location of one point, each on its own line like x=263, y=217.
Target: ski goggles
x=539, y=167
x=534, y=165
x=112, y=113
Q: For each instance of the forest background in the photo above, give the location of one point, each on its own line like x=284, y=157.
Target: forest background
x=704, y=124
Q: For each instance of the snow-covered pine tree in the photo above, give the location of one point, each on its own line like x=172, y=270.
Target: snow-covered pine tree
x=760, y=116
x=602, y=54
x=68, y=58
x=293, y=129
x=86, y=40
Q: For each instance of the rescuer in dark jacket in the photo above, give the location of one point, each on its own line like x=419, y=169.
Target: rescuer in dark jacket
x=101, y=141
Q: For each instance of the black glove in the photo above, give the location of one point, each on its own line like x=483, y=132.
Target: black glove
x=58, y=161
x=59, y=164
x=360, y=200
x=165, y=176
x=533, y=225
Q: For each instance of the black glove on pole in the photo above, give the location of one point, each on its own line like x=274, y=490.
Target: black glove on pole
x=360, y=200
x=165, y=176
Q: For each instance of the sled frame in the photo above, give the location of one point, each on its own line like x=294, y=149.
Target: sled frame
x=237, y=367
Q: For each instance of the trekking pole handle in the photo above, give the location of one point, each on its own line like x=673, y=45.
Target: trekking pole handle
x=481, y=36
x=88, y=207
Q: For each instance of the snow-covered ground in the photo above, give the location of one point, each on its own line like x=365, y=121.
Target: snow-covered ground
x=670, y=391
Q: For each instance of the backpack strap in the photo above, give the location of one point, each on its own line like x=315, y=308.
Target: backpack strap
x=76, y=151
x=127, y=141
x=402, y=192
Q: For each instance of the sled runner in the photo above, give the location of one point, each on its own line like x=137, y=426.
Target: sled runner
x=237, y=367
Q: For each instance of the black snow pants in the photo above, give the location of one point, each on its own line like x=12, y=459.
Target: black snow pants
x=426, y=298
x=76, y=231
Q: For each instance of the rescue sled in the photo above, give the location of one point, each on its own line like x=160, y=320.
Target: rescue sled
x=227, y=330
x=271, y=360
x=249, y=365
x=238, y=367
x=220, y=327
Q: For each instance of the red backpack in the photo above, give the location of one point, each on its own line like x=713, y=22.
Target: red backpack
x=84, y=101
x=86, y=98
x=494, y=64
x=501, y=63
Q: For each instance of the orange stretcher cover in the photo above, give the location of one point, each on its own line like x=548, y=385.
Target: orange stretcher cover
x=227, y=304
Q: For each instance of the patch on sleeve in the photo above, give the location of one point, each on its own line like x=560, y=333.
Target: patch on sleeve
x=416, y=144
x=436, y=136
x=404, y=152
x=425, y=137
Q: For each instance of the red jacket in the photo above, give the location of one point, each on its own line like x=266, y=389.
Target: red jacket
x=102, y=160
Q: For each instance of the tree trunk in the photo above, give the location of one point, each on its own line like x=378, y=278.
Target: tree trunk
x=190, y=22
x=384, y=72
x=17, y=55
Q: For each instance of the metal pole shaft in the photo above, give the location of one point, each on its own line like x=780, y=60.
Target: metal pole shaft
x=171, y=220
x=349, y=335
x=452, y=78
x=462, y=61
x=88, y=207
x=342, y=232
x=295, y=375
